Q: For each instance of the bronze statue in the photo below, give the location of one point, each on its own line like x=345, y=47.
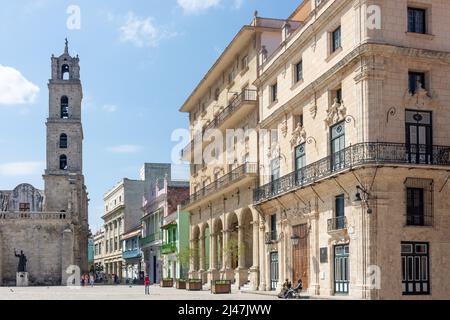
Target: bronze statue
x=22, y=261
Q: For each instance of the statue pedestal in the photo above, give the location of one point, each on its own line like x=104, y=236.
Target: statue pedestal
x=22, y=279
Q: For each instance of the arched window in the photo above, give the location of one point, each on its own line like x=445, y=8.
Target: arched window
x=63, y=143
x=64, y=107
x=65, y=72
x=63, y=162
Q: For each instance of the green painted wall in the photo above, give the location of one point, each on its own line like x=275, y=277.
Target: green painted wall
x=183, y=237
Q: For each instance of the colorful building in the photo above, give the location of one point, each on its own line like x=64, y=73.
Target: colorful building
x=158, y=206
x=175, y=246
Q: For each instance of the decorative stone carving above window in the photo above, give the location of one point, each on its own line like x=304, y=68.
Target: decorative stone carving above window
x=298, y=135
x=335, y=113
x=421, y=98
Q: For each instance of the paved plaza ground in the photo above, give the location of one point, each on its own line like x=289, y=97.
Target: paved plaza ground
x=119, y=293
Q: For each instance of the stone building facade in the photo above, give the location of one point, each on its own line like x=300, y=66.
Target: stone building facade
x=51, y=226
x=123, y=212
x=224, y=170
x=353, y=151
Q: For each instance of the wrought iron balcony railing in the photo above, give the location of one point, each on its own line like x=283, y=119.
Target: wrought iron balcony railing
x=270, y=237
x=245, y=96
x=378, y=153
x=337, y=224
x=150, y=239
x=130, y=254
x=222, y=182
x=168, y=248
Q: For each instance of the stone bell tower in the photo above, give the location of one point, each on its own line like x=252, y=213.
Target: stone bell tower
x=65, y=191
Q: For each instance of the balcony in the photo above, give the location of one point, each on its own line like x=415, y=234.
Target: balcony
x=270, y=237
x=169, y=248
x=131, y=254
x=150, y=239
x=246, y=170
x=227, y=117
x=358, y=155
x=337, y=224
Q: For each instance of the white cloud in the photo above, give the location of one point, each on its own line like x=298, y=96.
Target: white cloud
x=142, y=32
x=126, y=148
x=238, y=4
x=110, y=108
x=21, y=168
x=15, y=88
x=198, y=6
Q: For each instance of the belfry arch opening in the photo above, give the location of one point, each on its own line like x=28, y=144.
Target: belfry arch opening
x=64, y=107
x=65, y=72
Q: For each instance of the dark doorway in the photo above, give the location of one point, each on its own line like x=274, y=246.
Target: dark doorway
x=274, y=271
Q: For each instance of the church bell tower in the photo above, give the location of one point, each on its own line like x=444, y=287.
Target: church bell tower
x=65, y=191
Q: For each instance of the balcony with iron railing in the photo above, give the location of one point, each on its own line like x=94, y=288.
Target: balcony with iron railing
x=337, y=224
x=358, y=155
x=270, y=237
x=226, y=117
x=227, y=180
x=131, y=254
x=168, y=248
x=150, y=239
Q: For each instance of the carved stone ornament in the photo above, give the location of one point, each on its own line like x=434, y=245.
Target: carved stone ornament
x=421, y=98
x=218, y=170
x=313, y=111
x=284, y=128
x=335, y=113
x=298, y=135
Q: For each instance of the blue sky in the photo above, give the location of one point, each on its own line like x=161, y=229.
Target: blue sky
x=139, y=62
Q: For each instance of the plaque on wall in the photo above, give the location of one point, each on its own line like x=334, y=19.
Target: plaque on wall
x=323, y=255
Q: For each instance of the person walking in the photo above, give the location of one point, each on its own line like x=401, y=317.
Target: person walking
x=91, y=280
x=147, y=285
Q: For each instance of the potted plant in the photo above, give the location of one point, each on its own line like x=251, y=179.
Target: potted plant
x=194, y=285
x=181, y=284
x=166, y=283
x=221, y=286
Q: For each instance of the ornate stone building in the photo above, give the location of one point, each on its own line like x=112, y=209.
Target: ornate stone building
x=51, y=226
x=353, y=152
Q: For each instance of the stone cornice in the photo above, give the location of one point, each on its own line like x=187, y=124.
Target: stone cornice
x=280, y=59
x=353, y=57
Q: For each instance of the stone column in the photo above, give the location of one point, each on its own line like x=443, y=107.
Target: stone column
x=202, y=257
x=254, y=270
x=192, y=258
x=263, y=257
x=241, y=272
x=213, y=272
x=281, y=257
x=314, y=247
